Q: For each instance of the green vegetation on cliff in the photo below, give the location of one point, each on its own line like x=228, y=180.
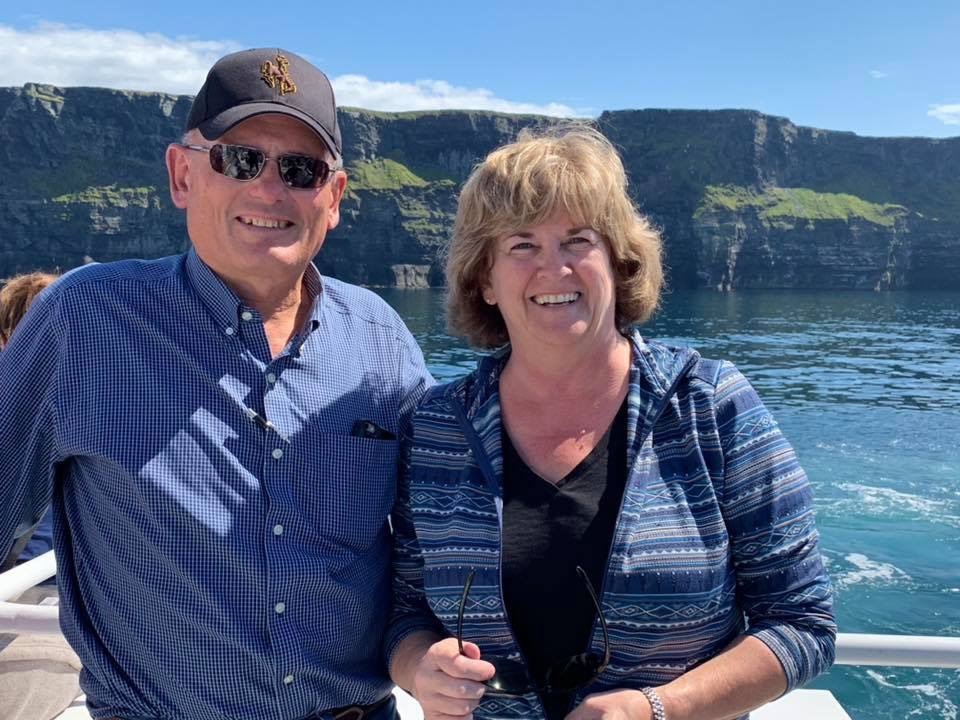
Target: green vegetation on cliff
x=784, y=204
x=109, y=195
x=382, y=174
x=42, y=92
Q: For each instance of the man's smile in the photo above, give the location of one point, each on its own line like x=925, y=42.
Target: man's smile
x=262, y=222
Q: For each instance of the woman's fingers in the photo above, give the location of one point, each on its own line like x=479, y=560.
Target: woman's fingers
x=448, y=684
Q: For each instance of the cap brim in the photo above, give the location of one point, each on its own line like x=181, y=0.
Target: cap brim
x=216, y=126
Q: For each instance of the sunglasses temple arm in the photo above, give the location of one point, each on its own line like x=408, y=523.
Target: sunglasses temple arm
x=463, y=604
x=596, y=604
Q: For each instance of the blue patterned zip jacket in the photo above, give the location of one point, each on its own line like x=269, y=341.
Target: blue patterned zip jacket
x=715, y=538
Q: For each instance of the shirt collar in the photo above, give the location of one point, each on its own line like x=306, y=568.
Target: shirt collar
x=226, y=306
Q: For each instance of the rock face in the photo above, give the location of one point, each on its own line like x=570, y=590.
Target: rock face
x=744, y=199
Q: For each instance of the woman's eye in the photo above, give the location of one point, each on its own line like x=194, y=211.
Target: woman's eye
x=579, y=242
x=521, y=246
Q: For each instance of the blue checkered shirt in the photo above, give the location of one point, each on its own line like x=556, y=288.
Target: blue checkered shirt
x=212, y=566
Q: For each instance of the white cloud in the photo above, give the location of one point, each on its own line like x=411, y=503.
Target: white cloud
x=70, y=56
x=77, y=56
x=877, y=74
x=947, y=114
x=359, y=91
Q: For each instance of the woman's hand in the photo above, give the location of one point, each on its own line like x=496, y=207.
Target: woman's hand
x=448, y=684
x=613, y=705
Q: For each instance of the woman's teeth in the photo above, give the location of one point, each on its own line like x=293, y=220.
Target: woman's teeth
x=556, y=299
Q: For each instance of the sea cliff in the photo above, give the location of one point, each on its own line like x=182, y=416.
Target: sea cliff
x=744, y=200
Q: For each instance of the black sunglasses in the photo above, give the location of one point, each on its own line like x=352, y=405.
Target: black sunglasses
x=575, y=672
x=243, y=163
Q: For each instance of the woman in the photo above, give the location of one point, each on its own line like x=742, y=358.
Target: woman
x=582, y=459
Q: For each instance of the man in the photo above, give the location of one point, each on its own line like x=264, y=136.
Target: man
x=16, y=295
x=218, y=432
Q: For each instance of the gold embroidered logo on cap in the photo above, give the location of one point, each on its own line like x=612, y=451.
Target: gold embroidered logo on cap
x=278, y=76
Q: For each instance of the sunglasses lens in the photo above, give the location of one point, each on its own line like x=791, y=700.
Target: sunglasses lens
x=575, y=673
x=236, y=161
x=302, y=171
x=510, y=678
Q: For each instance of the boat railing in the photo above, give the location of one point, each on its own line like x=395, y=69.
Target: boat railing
x=852, y=648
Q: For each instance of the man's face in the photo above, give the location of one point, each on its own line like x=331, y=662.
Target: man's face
x=257, y=231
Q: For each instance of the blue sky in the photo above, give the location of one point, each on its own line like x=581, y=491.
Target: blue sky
x=874, y=68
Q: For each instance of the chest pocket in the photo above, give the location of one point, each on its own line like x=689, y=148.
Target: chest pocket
x=350, y=490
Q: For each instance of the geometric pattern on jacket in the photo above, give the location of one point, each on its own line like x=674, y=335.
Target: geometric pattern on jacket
x=715, y=537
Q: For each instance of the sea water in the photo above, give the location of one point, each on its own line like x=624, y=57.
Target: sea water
x=866, y=386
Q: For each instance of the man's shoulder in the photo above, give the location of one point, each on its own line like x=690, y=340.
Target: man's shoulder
x=361, y=304
x=107, y=276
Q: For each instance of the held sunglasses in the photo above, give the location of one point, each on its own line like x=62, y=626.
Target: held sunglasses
x=575, y=672
x=301, y=172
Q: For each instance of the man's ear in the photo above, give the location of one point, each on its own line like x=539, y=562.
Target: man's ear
x=338, y=186
x=178, y=172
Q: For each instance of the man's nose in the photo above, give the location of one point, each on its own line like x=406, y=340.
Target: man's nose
x=269, y=182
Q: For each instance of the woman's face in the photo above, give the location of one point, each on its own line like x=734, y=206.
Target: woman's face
x=554, y=284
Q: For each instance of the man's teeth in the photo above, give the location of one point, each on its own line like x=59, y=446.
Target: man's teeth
x=555, y=299
x=265, y=223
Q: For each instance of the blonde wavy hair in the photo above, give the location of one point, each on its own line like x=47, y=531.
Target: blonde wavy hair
x=16, y=295
x=570, y=168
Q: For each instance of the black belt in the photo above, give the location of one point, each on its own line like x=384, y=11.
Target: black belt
x=358, y=712
x=350, y=712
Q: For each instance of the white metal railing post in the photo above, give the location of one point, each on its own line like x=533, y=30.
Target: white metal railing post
x=899, y=650
x=852, y=648
x=19, y=618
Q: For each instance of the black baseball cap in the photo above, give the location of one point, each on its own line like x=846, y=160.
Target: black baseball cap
x=265, y=80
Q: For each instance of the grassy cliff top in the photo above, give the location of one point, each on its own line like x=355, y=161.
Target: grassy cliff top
x=779, y=204
x=382, y=174
x=108, y=195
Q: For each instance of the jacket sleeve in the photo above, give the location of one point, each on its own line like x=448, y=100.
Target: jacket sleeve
x=410, y=612
x=28, y=416
x=767, y=505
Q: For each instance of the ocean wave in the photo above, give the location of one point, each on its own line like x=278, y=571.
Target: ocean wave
x=867, y=571
x=887, y=502
x=929, y=699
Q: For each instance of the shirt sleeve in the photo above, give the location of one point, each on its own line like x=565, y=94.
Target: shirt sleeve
x=415, y=379
x=410, y=612
x=767, y=505
x=28, y=378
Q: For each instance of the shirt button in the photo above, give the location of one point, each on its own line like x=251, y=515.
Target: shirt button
x=279, y=608
x=247, y=315
x=271, y=378
x=288, y=680
x=229, y=330
x=277, y=453
x=278, y=529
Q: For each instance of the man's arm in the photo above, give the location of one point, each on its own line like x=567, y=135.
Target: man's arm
x=29, y=367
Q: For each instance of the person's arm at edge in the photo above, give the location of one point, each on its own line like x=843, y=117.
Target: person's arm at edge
x=411, y=627
x=782, y=585
x=421, y=658
x=29, y=366
x=765, y=496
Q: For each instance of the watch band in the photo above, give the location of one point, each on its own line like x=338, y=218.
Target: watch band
x=656, y=704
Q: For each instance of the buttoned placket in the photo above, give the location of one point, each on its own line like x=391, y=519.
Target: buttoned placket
x=277, y=446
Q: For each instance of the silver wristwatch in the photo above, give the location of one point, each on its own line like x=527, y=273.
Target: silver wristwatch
x=656, y=704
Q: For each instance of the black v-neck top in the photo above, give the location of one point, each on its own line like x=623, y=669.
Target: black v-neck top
x=549, y=529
